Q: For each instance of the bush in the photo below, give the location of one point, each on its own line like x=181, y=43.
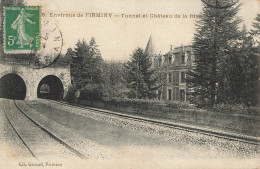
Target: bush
x=70, y=97
x=254, y=110
x=111, y=91
x=159, y=104
x=146, y=104
x=183, y=105
x=236, y=109
x=92, y=92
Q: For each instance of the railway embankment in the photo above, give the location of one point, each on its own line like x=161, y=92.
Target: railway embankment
x=238, y=145
x=70, y=138
x=233, y=119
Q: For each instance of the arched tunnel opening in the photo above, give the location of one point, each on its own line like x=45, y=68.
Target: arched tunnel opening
x=50, y=87
x=12, y=86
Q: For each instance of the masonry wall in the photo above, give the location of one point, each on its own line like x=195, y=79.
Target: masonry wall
x=32, y=77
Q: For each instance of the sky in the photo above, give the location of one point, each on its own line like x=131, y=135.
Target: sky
x=117, y=37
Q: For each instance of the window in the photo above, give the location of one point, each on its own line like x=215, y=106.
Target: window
x=176, y=76
x=169, y=77
x=170, y=60
x=182, y=95
x=183, y=58
x=183, y=79
x=189, y=54
x=175, y=95
x=154, y=62
x=159, y=94
x=169, y=94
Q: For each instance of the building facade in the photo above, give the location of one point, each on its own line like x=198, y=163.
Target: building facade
x=179, y=61
x=174, y=66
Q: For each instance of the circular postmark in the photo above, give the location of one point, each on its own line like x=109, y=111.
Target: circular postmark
x=51, y=45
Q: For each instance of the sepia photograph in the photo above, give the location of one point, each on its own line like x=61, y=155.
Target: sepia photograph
x=129, y=84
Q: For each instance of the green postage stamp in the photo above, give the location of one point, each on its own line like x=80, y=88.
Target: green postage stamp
x=22, y=29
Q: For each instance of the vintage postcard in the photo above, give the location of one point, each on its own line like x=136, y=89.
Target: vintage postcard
x=129, y=84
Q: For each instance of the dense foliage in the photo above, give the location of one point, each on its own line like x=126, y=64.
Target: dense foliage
x=236, y=109
x=243, y=72
x=226, y=71
x=112, y=76
x=256, y=27
x=86, y=64
x=86, y=69
x=227, y=63
x=139, y=77
x=148, y=104
x=92, y=77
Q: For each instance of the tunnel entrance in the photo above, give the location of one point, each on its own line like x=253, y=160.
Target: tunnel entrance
x=12, y=86
x=50, y=87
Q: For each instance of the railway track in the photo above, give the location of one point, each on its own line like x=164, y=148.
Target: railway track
x=222, y=135
x=39, y=141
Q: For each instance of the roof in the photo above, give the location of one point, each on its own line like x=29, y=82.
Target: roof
x=150, y=48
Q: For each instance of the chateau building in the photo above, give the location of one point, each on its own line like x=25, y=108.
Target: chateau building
x=174, y=65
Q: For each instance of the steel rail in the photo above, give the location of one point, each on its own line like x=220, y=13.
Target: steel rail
x=223, y=135
x=70, y=148
x=9, y=121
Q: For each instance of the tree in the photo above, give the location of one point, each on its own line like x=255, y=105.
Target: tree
x=256, y=26
x=94, y=61
x=86, y=69
x=251, y=71
x=214, y=40
x=112, y=76
x=255, y=75
x=139, y=77
x=241, y=71
x=86, y=64
x=77, y=63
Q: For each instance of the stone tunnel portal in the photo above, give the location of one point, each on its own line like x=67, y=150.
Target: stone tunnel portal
x=12, y=86
x=50, y=87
